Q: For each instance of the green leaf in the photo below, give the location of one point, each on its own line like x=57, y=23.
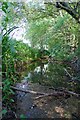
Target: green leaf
x=4, y=111
x=12, y=91
x=11, y=100
x=22, y=116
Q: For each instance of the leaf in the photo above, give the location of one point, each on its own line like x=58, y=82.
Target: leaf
x=22, y=116
x=4, y=111
x=12, y=91
x=60, y=22
x=11, y=100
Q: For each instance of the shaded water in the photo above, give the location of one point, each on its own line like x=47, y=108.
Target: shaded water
x=41, y=77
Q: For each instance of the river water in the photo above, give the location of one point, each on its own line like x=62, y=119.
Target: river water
x=43, y=77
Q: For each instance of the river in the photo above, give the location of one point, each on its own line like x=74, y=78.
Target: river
x=43, y=77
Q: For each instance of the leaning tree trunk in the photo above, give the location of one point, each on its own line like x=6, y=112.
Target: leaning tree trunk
x=78, y=49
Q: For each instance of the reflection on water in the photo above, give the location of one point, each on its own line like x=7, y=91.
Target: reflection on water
x=39, y=77
x=51, y=74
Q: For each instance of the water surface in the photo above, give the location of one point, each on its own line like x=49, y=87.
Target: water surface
x=42, y=77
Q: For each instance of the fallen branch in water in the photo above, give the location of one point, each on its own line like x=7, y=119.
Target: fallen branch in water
x=27, y=91
x=64, y=93
x=55, y=93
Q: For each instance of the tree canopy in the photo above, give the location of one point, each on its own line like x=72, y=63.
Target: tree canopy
x=40, y=40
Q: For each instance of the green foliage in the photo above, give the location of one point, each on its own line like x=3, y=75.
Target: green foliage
x=22, y=117
x=4, y=112
x=45, y=33
x=14, y=54
x=49, y=32
x=8, y=69
x=60, y=22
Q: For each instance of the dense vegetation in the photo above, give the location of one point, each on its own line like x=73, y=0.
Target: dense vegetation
x=53, y=33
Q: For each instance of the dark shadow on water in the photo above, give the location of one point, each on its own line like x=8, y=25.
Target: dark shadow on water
x=27, y=107
x=42, y=75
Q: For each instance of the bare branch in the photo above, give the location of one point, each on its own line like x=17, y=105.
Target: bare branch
x=66, y=6
x=10, y=30
x=54, y=93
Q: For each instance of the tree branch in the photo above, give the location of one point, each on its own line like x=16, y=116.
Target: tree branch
x=10, y=30
x=65, y=6
x=54, y=93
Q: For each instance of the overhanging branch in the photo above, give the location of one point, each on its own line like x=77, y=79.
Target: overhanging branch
x=10, y=30
x=65, y=6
